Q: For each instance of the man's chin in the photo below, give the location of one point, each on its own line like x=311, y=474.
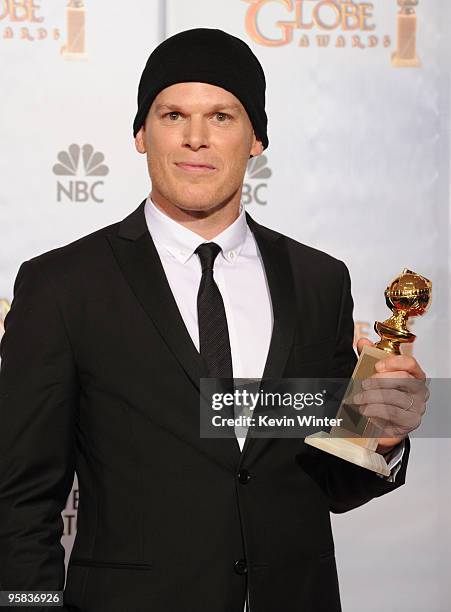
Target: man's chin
x=197, y=200
x=200, y=210
x=198, y=205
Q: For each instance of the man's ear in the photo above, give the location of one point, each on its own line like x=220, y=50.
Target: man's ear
x=257, y=149
x=140, y=142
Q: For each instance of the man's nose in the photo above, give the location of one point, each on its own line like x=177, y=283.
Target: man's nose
x=196, y=133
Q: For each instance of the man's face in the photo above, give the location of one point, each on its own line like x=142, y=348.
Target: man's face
x=198, y=139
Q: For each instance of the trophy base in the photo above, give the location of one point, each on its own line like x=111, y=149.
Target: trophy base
x=399, y=62
x=349, y=451
x=73, y=56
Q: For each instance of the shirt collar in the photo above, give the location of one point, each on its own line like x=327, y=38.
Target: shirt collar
x=181, y=242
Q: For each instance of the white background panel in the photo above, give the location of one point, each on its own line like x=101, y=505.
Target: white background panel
x=358, y=165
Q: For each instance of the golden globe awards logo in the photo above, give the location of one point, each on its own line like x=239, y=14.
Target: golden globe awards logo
x=335, y=23
x=75, y=162
x=24, y=20
x=255, y=185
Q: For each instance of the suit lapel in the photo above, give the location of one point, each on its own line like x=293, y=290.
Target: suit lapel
x=140, y=263
x=279, y=275
x=272, y=247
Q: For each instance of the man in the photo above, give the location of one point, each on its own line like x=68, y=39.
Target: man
x=105, y=344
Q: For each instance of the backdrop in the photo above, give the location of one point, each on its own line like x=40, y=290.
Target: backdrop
x=358, y=165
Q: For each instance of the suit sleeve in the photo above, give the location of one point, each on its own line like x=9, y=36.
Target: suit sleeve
x=348, y=485
x=38, y=406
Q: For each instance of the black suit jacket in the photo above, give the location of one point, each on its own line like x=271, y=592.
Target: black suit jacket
x=99, y=376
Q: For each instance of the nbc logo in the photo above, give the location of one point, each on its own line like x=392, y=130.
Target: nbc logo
x=69, y=165
x=256, y=173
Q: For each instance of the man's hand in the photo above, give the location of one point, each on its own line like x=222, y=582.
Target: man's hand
x=395, y=397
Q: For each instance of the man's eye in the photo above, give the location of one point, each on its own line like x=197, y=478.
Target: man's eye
x=171, y=115
x=222, y=117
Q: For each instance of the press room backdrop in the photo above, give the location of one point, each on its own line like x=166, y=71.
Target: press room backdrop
x=358, y=165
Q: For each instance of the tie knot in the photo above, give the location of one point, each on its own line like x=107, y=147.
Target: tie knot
x=207, y=252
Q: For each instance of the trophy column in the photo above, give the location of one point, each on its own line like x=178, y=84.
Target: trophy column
x=406, y=54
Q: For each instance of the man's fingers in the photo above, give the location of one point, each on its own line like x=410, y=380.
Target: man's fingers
x=361, y=342
x=398, y=363
x=387, y=416
x=395, y=380
x=388, y=429
x=401, y=374
x=389, y=397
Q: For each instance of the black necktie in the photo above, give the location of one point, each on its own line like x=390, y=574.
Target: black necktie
x=213, y=330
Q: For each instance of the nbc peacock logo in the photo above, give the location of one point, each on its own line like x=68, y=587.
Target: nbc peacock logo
x=255, y=183
x=80, y=161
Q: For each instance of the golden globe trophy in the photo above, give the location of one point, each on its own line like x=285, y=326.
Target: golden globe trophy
x=405, y=55
x=75, y=19
x=356, y=439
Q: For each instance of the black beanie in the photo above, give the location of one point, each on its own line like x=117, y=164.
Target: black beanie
x=206, y=56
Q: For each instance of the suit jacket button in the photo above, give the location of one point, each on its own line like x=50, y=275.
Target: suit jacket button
x=244, y=476
x=241, y=567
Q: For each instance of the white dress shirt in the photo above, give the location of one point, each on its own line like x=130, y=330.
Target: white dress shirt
x=240, y=275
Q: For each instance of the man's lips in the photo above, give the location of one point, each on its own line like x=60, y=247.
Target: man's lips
x=189, y=167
